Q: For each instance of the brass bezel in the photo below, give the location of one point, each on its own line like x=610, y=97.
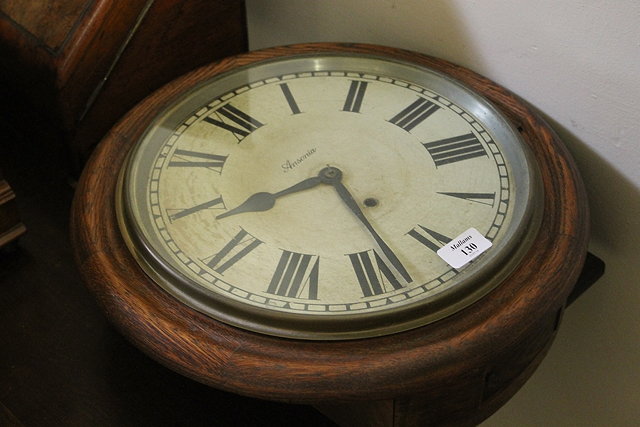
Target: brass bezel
x=473, y=282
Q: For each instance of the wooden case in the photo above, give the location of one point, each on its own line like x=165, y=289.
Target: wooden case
x=77, y=65
x=456, y=371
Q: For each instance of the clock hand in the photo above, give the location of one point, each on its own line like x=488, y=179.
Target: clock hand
x=333, y=176
x=263, y=201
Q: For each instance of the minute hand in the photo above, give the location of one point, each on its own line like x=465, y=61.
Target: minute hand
x=353, y=206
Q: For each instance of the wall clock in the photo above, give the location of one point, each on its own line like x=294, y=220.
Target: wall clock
x=331, y=223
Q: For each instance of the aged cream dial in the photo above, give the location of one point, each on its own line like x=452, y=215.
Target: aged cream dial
x=308, y=197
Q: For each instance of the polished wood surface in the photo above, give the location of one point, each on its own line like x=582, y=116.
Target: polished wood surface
x=36, y=17
x=54, y=56
x=173, y=38
x=457, y=370
x=79, y=65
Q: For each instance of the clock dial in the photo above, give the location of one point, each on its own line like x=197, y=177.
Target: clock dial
x=308, y=197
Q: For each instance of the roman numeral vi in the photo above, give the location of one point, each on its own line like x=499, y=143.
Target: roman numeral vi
x=295, y=275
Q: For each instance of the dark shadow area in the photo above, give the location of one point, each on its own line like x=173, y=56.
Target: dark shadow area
x=61, y=362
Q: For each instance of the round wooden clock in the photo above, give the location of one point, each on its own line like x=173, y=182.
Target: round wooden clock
x=352, y=226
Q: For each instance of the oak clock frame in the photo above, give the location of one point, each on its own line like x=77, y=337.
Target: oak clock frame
x=456, y=371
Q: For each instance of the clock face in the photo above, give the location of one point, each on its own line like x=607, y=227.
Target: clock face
x=308, y=197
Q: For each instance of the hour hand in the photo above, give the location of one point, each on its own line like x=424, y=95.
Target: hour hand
x=264, y=201
x=255, y=203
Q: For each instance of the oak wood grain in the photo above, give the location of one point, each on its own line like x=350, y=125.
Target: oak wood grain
x=57, y=65
x=461, y=368
x=173, y=38
x=36, y=18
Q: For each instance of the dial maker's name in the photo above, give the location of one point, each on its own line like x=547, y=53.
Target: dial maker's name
x=290, y=164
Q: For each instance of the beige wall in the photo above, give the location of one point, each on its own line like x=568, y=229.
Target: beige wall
x=578, y=63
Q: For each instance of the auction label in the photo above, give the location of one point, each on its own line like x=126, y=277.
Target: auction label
x=464, y=248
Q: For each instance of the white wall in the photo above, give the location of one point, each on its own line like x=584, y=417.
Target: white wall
x=578, y=63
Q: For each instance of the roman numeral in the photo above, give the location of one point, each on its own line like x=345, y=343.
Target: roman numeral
x=181, y=213
x=373, y=275
x=290, y=99
x=237, y=248
x=355, y=96
x=246, y=123
x=458, y=148
x=295, y=275
x=196, y=159
x=482, y=198
x=414, y=114
x=431, y=239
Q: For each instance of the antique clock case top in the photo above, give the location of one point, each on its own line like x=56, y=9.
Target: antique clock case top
x=476, y=355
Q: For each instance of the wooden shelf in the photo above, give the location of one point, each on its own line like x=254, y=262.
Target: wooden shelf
x=10, y=226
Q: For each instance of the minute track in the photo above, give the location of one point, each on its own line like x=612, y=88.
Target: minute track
x=504, y=305
x=291, y=217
